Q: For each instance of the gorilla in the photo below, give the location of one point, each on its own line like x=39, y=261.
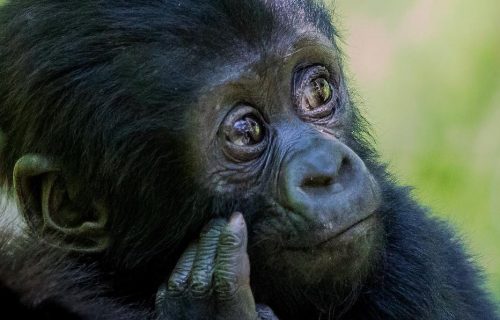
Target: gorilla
x=205, y=160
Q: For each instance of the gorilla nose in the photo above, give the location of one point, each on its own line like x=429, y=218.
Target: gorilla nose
x=314, y=179
x=318, y=171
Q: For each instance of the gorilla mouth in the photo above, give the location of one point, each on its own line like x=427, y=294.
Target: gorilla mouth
x=326, y=237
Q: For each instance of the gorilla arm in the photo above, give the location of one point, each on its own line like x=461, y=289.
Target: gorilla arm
x=42, y=283
x=212, y=277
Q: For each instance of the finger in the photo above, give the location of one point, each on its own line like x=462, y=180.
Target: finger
x=232, y=265
x=179, y=279
x=204, y=263
x=232, y=274
x=170, y=296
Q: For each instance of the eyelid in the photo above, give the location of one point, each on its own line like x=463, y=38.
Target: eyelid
x=303, y=76
x=303, y=73
x=239, y=111
x=314, y=70
x=242, y=153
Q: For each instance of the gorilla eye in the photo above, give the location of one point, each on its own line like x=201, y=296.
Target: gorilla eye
x=243, y=133
x=314, y=94
x=317, y=93
x=246, y=131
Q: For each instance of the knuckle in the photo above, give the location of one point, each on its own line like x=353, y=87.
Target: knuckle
x=181, y=272
x=176, y=287
x=231, y=240
x=226, y=285
x=200, y=287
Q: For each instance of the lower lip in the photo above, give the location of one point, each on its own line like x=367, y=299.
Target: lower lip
x=357, y=229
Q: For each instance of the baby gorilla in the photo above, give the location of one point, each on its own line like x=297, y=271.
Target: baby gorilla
x=210, y=149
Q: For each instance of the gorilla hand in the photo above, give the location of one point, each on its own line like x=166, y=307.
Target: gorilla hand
x=212, y=277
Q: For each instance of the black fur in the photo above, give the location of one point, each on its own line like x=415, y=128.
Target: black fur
x=106, y=86
x=38, y=282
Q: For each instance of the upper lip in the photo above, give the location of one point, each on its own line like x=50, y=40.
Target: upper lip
x=317, y=236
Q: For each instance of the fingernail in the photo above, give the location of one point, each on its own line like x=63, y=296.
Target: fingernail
x=237, y=219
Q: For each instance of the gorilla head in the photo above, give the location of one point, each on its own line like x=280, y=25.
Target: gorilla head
x=130, y=125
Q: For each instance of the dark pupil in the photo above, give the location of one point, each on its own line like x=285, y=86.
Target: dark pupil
x=318, y=92
x=246, y=131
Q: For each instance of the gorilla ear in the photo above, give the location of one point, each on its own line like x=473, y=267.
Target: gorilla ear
x=51, y=208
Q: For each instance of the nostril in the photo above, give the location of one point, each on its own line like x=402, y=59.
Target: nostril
x=317, y=181
x=345, y=163
x=330, y=178
x=314, y=177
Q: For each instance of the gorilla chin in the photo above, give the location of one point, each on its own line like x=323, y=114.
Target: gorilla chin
x=348, y=256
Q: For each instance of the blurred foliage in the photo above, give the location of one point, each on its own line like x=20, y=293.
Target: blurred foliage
x=428, y=78
x=428, y=73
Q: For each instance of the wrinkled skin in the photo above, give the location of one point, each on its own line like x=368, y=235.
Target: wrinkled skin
x=212, y=278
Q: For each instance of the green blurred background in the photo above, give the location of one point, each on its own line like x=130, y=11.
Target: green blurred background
x=428, y=76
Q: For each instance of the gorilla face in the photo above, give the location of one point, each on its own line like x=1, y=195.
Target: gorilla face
x=194, y=123
x=276, y=135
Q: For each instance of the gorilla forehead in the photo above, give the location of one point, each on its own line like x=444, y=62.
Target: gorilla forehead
x=188, y=38
x=140, y=64
x=160, y=53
